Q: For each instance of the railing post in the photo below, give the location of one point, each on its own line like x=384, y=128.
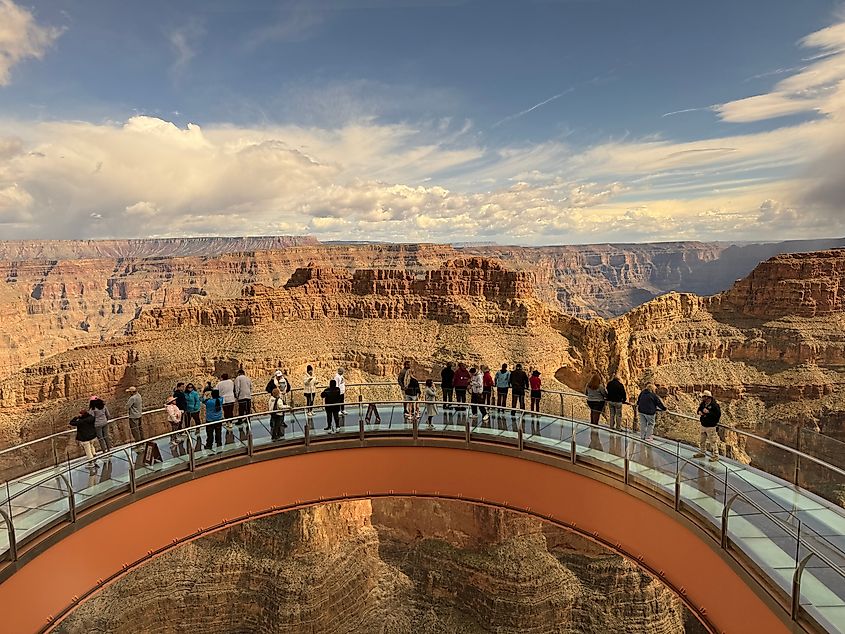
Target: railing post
x=467, y=429
x=192, y=463
x=678, y=477
x=725, y=512
x=627, y=460
x=796, y=477
x=250, y=447
x=415, y=426
x=70, y=499
x=10, y=529
x=796, y=586
x=562, y=412
x=55, y=452
x=573, y=448
x=361, y=406
x=133, y=486
x=360, y=427
x=307, y=432
x=520, y=432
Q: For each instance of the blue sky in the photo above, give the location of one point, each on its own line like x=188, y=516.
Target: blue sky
x=532, y=121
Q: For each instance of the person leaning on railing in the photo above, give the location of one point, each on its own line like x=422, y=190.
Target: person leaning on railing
x=616, y=398
x=596, y=397
x=648, y=404
x=85, y=435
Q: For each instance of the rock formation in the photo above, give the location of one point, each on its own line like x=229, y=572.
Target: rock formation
x=388, y=565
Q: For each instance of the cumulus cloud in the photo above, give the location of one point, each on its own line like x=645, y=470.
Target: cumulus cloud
x=21, y=37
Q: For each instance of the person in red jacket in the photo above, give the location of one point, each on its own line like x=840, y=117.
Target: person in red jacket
x=460, y=383
x=487, y=380
x=535, y=383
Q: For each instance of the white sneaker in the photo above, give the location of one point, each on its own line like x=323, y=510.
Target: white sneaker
x=485, y=417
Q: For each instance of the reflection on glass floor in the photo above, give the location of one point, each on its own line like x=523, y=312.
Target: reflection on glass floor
x=770, y=523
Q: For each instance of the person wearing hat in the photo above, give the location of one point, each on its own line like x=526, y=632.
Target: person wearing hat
x=709, y=413
x=174, y=416
x=135, y=405
x=278, y=380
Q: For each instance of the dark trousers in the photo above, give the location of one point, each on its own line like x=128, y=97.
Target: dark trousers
x=372, y=410
x=192, y=416
x=244, y=407
x=460, y=395
x=277, y=426
x=502, y=396
x=309, y=399
x=332, y=414
x=228, y=410
x=214, y=432
x=135, y=428
x=518, y=396
x=487, y=395
x=447, y=394
x=478, y=399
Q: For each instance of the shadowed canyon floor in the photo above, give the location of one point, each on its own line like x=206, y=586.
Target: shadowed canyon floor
x=388, y=565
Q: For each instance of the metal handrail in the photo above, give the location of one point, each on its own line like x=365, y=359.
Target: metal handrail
x=520, y=443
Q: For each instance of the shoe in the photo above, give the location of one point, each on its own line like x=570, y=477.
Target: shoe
x=700, y=454
x=714, y=458
x=328, y=429
x=649, y=438
x=486, y=417
x=378, y=421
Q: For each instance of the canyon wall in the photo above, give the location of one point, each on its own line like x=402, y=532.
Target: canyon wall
x=391, y=565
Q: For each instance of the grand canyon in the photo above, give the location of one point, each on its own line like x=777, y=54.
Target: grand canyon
x=82, y=318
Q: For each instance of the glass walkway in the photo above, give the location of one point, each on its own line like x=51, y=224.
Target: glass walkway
x=790, y=539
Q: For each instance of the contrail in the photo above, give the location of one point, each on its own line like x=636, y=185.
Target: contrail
x=674, y=112
x=532, y=108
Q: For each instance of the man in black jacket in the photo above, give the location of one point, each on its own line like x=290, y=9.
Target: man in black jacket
x=332, y=398
x=616, y=398
x=709, y=414
x=519, y=383
x=446, y=376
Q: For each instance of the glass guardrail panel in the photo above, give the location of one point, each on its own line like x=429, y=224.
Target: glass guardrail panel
x=703, y=488
x=822, y=594
x=383, y=417
x=826, y=448
x=93, y=480
x=488, y=420
x=4, y=530
x=767, y=542
x=38, y=507
x=654, y=465
x=42, y=454
x=821, y=480
x=596, y=444
x=441, y=417
x=549, y=432
x=161, y=456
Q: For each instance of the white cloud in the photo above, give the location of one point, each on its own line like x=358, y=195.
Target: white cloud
x=21, y=37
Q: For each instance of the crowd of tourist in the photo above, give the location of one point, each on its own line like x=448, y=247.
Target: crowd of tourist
x=184, y=406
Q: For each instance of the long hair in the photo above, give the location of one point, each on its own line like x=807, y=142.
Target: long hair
x=97, y=404
x=595, y=381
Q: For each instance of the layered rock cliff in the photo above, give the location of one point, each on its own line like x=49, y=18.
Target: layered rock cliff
x=390, y=565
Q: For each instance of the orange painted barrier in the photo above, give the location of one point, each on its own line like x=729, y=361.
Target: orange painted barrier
x=75, y=566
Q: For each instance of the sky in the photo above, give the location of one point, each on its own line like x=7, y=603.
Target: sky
x=519, y=122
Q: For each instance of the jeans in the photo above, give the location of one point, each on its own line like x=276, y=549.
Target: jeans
x=228, y=412
x=502, y=396
x=103, y=437
x=615, y=415
x=447, y=395
x=711, y=435
x=135, y=428
x=646, y=425
x=478, y=399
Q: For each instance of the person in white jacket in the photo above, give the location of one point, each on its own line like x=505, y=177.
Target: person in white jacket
x=174, y=417
x=309, y=388
x=341, y=384
x=243, y=394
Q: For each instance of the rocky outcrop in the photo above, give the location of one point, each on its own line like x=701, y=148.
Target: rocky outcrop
x=798, y=285
x=387, y=565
